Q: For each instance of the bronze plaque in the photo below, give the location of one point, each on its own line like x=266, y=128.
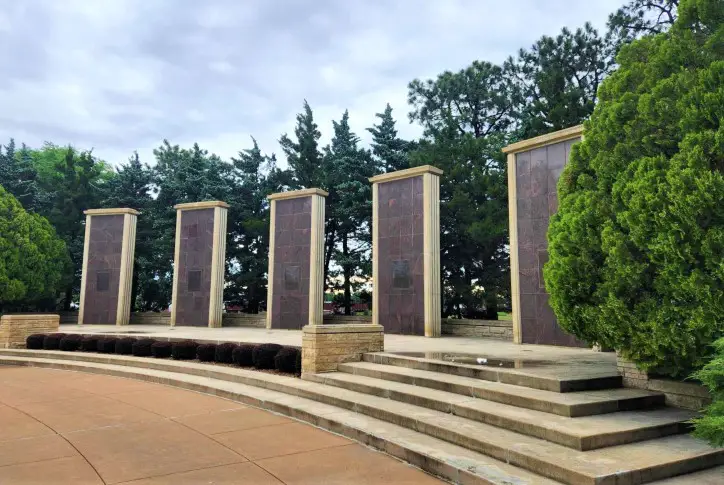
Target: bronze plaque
x=291, y=277
x=194, y=281
x=103, y=280
x=401, y=274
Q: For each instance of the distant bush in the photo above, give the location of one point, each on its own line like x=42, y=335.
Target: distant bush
x=223, y=352
x=35, y=341
x=161, y=349
x=107, y=345
x=710, y=426
x=184, y=350
x=289, y=361
x=89, y=343
x=243, y=355
x=142, y=347
x=264, y=354
x=124, y=346
x=70, y=343
x=52, y=341
x=206, y=352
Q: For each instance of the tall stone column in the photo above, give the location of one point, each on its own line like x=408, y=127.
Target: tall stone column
x=534, y=167
x=295, y=295
x=108, y=252
x=406, y=251
x=199, y=262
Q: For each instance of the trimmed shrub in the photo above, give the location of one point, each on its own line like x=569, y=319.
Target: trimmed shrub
x=710, y=426
x=185, y=350
x=35, y=341
x=264, y=354
x=124, y=346
x=289, y=360
x=242, y=355
x=206, y=352
x=89, y=343
x=52, y=341
x=107, y=345
x=142, y=347
x=635, y=247
x=161, y=349
x=223, y=352
x=70, y=343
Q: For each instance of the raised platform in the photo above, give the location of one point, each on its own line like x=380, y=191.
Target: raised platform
x=466, y=423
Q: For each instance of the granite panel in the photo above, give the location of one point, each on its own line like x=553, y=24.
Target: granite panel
x=537, y=174
x=292, y=251
x=104, y=269
x=194, y=271
x=400, y=251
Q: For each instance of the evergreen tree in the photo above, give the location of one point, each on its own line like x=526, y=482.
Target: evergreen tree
x=641, y=17
x=466, y=116
x=348, y=169
x=255, y=176
x=391, y=152
x=19, y=177
x=303, y=155
x=559, y=78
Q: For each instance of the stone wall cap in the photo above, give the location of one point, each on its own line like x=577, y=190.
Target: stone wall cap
x=407, y=173
x=201, y=205
x=111, y=211
x=344, y=328
x=294, y=194
x=543, y=140
x=29, y=316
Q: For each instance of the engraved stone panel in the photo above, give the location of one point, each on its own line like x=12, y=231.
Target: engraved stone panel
x=537, y=174
x=292, y=239
x=104, y=269
x=400, y=253
x=194, y=271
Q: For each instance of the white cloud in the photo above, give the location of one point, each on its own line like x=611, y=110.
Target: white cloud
x=121, y=75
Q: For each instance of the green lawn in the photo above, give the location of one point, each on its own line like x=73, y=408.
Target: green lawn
x=504, y=316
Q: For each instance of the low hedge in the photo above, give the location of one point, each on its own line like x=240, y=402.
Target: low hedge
x=89, y=343
x=289, y=360
x=161, y=349
x=223, y=353
x=107, y=345
x=70, y=343
x=35, y=341
x=206, y=352
x=124, y=346
x=52, y=341
x=184, y=350
x=142, y=347
x=264, y=354
x=243, y=355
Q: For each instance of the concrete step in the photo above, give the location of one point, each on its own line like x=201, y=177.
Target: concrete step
x=571, y=404
x=553, y=378
x=453, y=463
x=585, y=433
x=631, y=464
x=713, y=476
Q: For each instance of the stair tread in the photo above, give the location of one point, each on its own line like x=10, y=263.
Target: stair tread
x=582, y=426
x=477, y=464
x=638, y=461
x=565, y=398
x=712, y=476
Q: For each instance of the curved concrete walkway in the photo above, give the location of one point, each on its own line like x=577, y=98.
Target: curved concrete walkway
x=59, y=427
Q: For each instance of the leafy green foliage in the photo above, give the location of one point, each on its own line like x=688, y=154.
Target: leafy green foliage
x=33, y=258
x=635, y=248
x=391, y=153
x=711, y=425
x=641, y=17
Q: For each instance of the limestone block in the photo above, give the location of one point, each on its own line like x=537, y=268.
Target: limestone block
x=15, y=329
x=326, y=346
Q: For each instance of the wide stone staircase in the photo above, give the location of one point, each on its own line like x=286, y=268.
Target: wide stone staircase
x=464, y=423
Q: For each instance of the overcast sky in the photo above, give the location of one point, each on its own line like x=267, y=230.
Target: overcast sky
x=122, y=75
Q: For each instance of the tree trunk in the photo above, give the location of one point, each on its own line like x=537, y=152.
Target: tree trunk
x=68, y=298
x=347, y=277
x=134, y=291
x=328, y=248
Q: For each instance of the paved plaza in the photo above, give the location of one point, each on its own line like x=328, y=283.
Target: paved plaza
x=65, y=427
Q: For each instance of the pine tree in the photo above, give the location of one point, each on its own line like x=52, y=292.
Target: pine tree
x=303, y=155
x=391, y=152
